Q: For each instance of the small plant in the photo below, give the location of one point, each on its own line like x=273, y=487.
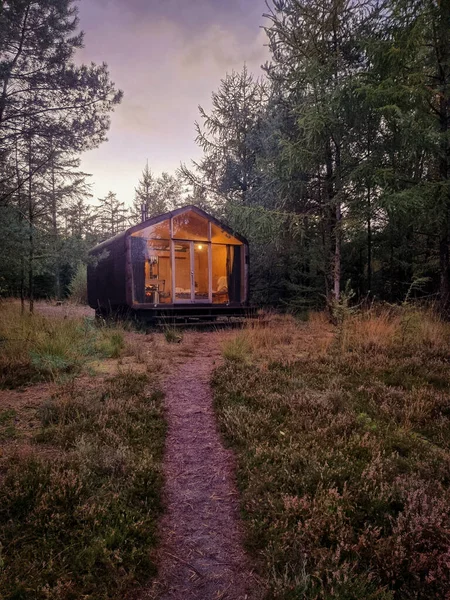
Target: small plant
x=237, y=350
x=78, y=285
x=173, y=335
x=7, y=427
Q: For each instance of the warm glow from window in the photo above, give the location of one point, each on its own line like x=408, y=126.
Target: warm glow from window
x=200, y=247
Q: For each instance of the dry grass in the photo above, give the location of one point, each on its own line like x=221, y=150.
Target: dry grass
x=343, y=442
x=78, y=518
x=37, y=347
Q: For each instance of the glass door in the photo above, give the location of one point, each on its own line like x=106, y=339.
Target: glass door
x=202, y=287
x=182, y=271
x=192, y=272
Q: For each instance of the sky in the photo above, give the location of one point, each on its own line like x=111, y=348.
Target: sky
x=168, y=56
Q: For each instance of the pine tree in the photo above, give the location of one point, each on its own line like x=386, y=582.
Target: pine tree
x=228, y=169
x=156, y=195
x=49, y=106
x=112, y=215
x=315, y=57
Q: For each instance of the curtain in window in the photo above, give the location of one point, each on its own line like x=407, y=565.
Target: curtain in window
x=234, y=273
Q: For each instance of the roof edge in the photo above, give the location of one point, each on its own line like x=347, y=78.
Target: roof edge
x=163, y=217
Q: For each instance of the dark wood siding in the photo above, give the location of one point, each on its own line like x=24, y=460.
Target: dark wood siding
x=107, y=278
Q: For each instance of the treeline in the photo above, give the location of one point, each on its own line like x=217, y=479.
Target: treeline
x=334, y=162
x=51, y=110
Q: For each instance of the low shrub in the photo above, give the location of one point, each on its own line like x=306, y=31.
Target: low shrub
x=78, y=286
x=173, y=335
x=343, y=458
x=237, y=349
x=83, y=524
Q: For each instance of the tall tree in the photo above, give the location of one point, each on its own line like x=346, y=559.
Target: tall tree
x=315, y=57
x=156, y=195
x=48, y=105
x=112, y=215
x=228, y=168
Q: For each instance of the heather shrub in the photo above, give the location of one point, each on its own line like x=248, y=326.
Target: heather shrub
x=343, y=457
x=82, y=524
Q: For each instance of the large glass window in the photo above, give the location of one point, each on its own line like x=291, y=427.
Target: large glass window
x=187, y=267
x=201, y=272
x=190, y=226
x=152, y=271
x=220, y=236
x=159, y=231
x=219, y=274
x=183, y=276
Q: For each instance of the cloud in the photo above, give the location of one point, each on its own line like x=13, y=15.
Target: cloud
x=168, y=56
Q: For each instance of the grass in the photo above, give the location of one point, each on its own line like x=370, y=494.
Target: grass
x=173, y=335
x=7, y=428
x=342, y=437
x=79, y=505
x=35, y=348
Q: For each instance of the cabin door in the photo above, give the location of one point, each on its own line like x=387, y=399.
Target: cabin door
x=192, y=272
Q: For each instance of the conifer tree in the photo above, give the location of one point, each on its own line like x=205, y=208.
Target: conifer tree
x=112, y=215
x=228, y=168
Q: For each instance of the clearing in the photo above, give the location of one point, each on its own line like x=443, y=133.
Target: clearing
x=82, y=464
x=114, y=481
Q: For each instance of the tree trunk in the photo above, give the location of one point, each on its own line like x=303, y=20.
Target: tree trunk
x=338, y=224
x=331, y=214
x=30, y=234
x=337, y=254
x=22, y=285
x=444, y=267
x=55, y=230
x=369, y=240
x=443, y=75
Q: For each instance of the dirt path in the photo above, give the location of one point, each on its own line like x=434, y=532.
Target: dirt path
x=201, y=556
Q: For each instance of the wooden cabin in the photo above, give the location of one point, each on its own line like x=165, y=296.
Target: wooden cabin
x=181, y=264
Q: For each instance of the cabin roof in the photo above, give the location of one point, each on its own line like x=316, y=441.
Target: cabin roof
x=163, y=217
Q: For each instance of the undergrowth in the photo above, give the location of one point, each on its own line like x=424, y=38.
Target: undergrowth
x=35, y=348
x=78, y=520
x=342, y=436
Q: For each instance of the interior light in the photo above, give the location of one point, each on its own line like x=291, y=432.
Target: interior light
x=200, y=247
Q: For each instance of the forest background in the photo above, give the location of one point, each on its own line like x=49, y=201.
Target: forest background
x=334, y=162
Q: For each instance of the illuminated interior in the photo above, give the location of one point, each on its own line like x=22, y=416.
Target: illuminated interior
x=186, y=259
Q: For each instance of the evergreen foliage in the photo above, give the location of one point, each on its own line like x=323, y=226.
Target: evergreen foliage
x=334, y=163
x=349, y=150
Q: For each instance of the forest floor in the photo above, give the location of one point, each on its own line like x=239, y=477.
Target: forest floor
x=115, y=482
x=82, y=434
x=78, y=424
x=342, y=444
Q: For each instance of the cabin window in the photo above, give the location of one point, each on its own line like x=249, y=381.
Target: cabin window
x=160, y=231
x=190, y=226
x=219, y=274
x=219, y=236
x=199, y=262
x=152, y=271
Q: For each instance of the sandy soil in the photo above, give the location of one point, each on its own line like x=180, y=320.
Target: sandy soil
x=201, y=556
